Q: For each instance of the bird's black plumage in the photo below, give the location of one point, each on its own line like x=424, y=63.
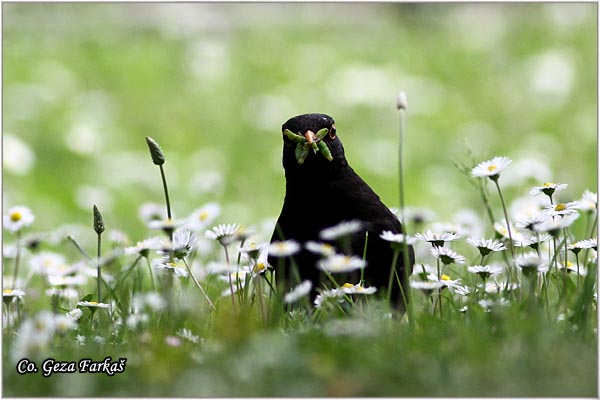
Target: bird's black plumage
x=322, y=193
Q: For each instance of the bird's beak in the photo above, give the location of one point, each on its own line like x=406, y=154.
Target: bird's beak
x=310, y=137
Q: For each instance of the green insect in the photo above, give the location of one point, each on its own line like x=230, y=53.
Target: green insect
x=303, y=144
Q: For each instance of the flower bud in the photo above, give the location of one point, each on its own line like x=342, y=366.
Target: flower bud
x=401, y=101
x=98, y=221
x=158, y=157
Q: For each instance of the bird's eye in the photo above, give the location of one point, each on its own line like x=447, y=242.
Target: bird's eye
x=332, y=132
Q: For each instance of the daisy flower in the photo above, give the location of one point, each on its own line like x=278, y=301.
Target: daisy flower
x=259, y=267
x=427, y=286
x=530, y=263
x=341, y=263
x=168, y=266
x=298, y=292
x=397, y=239
x=173, y=341
x=75, y=314
x=486, y=246
x=437, y=239
x=153, y=301
x=487, y=305
x=46, y=261
x=502, y=231
x=573, y=268
x=18, y=217
x=583, y=244
x=497, y=287
x=143, y=248
x=284, y=248
x=450, y=227
x=225, y=234
x=184, y=241
x=415, y=215
x=203, y=216
x=327, y=295
x=118, y=238
x=562, y=209
x=324, y=249
x=423, y=270
x=167, y=224
x=529, y=223
x=554, y=226
x=533, y=241
x=93, y=304
x=239, y=275
x=446, y=280
x=9, y=295
x=524, y=208
x=484, y=271
x=149, y=212
x=447, y=256
x=589, y=201
x=349, y=288
x=345, y=228
x=187, y=334
x=491, y=168
x=71, y=280
x=64, y=269
x=548, y=188
x=64, y=323
x=253, y=250
x=66, y=293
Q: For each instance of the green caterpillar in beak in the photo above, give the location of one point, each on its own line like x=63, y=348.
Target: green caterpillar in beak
x=303, y=143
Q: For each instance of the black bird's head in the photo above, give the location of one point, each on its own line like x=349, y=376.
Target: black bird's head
x=311, y=141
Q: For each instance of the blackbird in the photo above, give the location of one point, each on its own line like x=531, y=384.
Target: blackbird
x=322, y=190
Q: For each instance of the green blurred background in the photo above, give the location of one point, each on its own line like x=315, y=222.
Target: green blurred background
x=83, y=84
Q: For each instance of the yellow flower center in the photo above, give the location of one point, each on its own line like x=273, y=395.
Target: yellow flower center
x=492, y=168
x=569, y=264
x=63, y=268
x=259, y=267
x=7, y=292
x=15, y=216
x=560, y=207
x=548, y=184
x=203, y=216
x=347, y=285
x=445, y=277
x=92, y=303
x=281, y=246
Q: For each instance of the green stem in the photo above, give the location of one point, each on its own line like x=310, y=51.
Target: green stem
x=577, y=260
x=72, y=240
x=590, y=234
x=566, y=276
x=17, y=258
x=405, y=255
x=151, y=274
x=230, y=280
x=510, y=237
x=99, y=268
x=164, y=181
x=210, y=303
